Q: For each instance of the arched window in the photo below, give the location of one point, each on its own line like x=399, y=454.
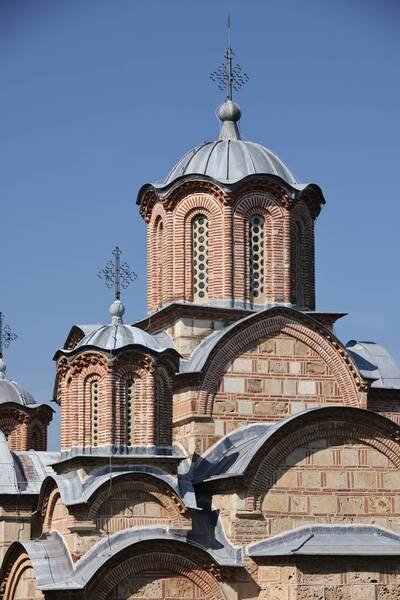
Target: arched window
x=256, y=255
x=299, y=260
x=159, y=260
x=94, y=401
x=129, y=398
x=200, y=257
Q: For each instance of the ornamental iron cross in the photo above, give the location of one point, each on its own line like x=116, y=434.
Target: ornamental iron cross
x=228, y=76
x=117, y=275
x=6, y=335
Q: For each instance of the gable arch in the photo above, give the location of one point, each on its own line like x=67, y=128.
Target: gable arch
x=274, y=245
x=183, y=215
x=335, y=425
x=164, y=561
x=252, y=330
x=146, y=490
x=18, y=575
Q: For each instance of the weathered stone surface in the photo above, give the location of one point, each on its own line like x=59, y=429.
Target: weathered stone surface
x=310, y=592
x=323, y=505
x=338, y=592
x=234, y=384
x=316, y=368
x=294, y=367
x=242, y=365
x=276, y=502
x=284, y=347
x=254, y=386
x=301, y=349
x=267, y=347
x=245, y=407
x=306, y=388
x=364, y=592
x=388, y=592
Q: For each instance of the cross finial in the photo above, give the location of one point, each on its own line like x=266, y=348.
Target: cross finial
x=116, y=275
x=229, y=76
x=6, y=337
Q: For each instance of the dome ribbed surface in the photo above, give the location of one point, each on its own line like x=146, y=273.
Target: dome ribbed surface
x=11, y=391
x=111, y=337
x=229, y=160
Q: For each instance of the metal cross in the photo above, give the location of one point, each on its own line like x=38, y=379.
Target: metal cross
x=228, y=76
x=117, y=275
x=6, y=335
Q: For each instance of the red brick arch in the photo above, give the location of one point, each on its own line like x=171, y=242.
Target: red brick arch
x=158, y=233
x=183, y=215
x=51, y=502
x=18, y=568
x=301, y=214
x=159, y=562
x=274, y=245
x=266, y=325
x=160, y=494
x=333, y=423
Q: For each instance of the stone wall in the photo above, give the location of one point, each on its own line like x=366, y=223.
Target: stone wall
x=331, y=579
x=157, y=587
x=333, y=483
x=276, y=378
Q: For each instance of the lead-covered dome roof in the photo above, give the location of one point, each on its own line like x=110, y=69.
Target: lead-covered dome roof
x=13, y=392
x=116, y=335
x=230, y=158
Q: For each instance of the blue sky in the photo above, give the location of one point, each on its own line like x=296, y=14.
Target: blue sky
x=99, y=97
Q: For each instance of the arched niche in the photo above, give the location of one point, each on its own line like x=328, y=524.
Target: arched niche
x=335, y=465
x=164, y=571
x=20, y=582
x=305, y=352
x=136, y=502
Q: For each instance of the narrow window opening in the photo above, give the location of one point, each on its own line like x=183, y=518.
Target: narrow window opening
x=160, y=261
x=94, y=396
x=130, y=395
x=200, y=257
x=256, y=255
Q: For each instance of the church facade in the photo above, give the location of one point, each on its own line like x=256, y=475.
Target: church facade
x=228, y=446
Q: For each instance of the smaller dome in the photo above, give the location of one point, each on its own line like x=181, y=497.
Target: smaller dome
x=114, y=336
x=11, y=391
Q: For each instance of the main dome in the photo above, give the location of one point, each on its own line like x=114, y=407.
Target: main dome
x=230, y=158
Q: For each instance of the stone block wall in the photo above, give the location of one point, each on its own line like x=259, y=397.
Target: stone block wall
x=278, y=377
x=188, y=332
x=330, y=579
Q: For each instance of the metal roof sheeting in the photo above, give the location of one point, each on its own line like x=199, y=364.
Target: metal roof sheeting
x=228, y=161
x=54, y=569
x=374, y=362
x=330, y=540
